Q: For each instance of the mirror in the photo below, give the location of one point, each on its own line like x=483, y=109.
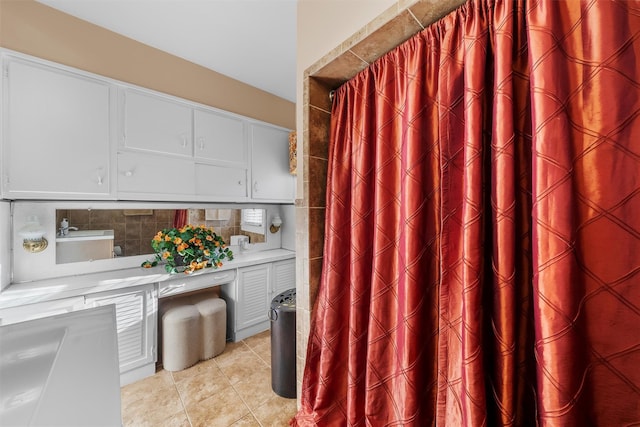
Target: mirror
x=90, y=234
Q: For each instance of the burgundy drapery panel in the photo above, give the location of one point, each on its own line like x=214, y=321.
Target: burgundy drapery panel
x=180, y=218
x=482, y=240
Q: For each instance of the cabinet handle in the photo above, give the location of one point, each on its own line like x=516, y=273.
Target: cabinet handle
x=201, y=142
x=99, y=175
x=183, y=139
x=128, y=173
x=240, y=182
x=255, y=186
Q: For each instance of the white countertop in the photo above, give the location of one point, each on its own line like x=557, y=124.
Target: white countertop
x=64, y=287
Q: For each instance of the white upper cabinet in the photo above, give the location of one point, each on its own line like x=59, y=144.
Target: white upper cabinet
x=142, y=176
x=220, y=138
x=270, y=177
x=68, y=134
x=155, y=123
x=57, y=133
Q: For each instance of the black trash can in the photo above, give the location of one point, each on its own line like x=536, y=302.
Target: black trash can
x=283, y=343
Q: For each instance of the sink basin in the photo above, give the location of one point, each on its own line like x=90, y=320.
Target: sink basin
x=75, y=235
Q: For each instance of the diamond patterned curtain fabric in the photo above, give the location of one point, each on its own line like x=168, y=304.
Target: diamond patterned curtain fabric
x=482, y=254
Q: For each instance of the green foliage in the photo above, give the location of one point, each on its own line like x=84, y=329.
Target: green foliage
x=188, y=249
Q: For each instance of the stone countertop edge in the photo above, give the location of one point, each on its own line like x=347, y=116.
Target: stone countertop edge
x=17, y=294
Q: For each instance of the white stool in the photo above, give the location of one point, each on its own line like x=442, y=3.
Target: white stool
x=213, y=324
x=180, y=337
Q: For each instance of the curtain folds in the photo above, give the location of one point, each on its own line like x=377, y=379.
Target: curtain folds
x=482, y=243
x=180, y=218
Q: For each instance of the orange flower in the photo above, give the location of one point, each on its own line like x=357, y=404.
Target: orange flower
x=181, y=247
x=165, y=255
x=177, y=240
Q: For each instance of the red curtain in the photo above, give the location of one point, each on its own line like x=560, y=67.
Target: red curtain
x=180, y=218
x=482, y=250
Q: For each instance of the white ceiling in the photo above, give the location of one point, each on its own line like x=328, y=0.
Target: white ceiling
x=253, y=41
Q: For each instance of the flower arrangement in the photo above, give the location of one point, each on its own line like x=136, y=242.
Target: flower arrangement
x=188, y=249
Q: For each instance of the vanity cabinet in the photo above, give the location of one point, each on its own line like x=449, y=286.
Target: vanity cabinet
x=39, y=310
x=57, y=133
x=270, y=176
x=136, y=320
x=283, y=277
x=249, y=296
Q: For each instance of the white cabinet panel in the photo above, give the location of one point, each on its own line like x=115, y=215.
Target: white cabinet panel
x=270, y=164
x=154, y=123
x=56, y=134
x=283, y=276
x=40, y=309
x=144, y=176
x=220, y=138
x=221, y=183
x=136, y=319
x=249, y=296
x=253, y=288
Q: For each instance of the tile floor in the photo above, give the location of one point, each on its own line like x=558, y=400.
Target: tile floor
x=232, y=389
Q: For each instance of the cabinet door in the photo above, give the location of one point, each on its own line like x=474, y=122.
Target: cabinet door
x=270, y=164
x=252, y=304
x=220, y=138
x=283, y=276
x=218, y=183
x=136, y=317
x=154, y=123
x=57, y=133
x=154, y=177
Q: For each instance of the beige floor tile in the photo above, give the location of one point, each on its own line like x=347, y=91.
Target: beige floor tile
x=143, y=387
x=200, y=387
x=243, y=367
x=276, y=412
x=259, y=339
x=246, y=421
x=223, y=409
x=255, y=389
x=197, y=369
x=152, y=408
x=261, y=345
x=212, y=393
x=234, y=353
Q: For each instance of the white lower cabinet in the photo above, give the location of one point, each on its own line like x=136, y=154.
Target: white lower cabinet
x=249, y=296
x=136, y=318
x=283, y=277
x=38, y=310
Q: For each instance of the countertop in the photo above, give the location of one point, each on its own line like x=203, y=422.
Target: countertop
x=65, y=287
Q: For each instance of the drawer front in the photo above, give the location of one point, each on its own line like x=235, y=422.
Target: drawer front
x=188, y=284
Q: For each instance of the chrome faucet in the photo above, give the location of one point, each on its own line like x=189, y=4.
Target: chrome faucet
x=64, y=229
